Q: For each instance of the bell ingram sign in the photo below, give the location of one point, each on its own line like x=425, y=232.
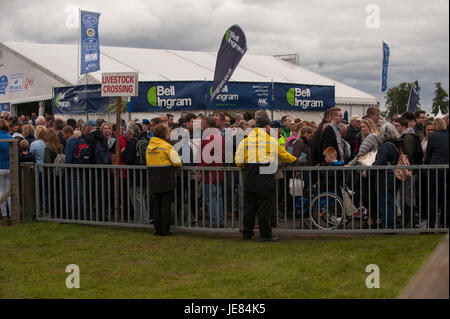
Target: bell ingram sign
x=120, y=84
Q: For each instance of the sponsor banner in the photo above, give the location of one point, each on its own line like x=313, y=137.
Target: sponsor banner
x=120, y=84
x=81, y=99
x=3, y=84
x=385, y=64
x=90, y=43
x=169, y=96
x=242, y=95
x=5, y=107
x=303, y=97
x=16, y=83
x=232, y=49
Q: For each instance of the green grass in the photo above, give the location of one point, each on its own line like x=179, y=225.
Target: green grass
x=124, y=263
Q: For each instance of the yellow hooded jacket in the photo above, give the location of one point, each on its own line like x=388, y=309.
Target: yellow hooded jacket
x=161, y=162
x=257, y=150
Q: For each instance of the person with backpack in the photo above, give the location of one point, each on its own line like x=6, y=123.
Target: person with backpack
x=412, y=147
x=386, y=183
x=77, y=152
x=131, y=155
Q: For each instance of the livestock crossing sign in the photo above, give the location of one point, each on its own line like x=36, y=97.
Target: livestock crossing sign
x=120, y=84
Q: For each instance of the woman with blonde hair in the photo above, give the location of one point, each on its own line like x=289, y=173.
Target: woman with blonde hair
x=52, y=149
x=37, y=148
x=28, y=133
x=295, y=133
x=370, y=143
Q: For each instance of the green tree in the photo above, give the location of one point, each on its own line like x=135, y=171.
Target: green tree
x=397, y=99
x=440, y=99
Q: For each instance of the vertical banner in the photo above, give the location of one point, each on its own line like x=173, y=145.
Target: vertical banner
x=386, y=53
x=413, y=100
x=90, y=43
x=232, y=49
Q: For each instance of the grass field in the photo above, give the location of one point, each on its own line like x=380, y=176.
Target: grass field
x=123, y=263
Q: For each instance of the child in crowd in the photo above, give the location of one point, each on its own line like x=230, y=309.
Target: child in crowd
x=331, y=181
x=24, y=154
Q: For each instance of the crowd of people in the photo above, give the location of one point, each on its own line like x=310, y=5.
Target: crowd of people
x=365, y=141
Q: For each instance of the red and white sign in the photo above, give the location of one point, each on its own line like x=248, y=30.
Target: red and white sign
x=120, y=84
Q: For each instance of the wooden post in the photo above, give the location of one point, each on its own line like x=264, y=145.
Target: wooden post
x=118, y=131
x=14, y=182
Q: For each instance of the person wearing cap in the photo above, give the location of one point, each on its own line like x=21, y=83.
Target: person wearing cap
x=353, y=135
x=259, y=182
x=146, y=133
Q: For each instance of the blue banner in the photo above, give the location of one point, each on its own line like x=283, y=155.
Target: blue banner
x=81, y=99
x=90, y=43
x=232, y=49
x=169, y=96
x=5, y=107
x=413, y=101
x=297, y=97
x=3, y=84
x=386, y=53
x=242, y=95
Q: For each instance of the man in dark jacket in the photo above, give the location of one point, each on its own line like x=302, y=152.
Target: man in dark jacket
x=332, y=136
x=353, y=136
x=437, y=152
x=411, y=143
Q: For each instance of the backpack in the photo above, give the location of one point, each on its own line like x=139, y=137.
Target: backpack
x=81, y=155
x=60, y=159
x=141, y=150
x=401, y=174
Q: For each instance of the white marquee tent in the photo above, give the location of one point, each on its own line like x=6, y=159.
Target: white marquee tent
x=43, y=66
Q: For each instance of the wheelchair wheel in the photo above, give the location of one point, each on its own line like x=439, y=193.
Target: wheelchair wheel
x=327, y=211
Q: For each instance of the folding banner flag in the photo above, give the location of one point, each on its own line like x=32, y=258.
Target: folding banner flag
x=90, y=43
x=386, y=53
x=232, y=49
x=413, y=100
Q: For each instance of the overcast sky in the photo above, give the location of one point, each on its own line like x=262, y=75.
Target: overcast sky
x=338, y=39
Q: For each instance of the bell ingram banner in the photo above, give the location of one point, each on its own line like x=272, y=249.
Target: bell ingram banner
x=413, y=101
x=232, y=49
x=90, y=43
x=242, y=95
x=169, y=96
x=386, y=53
x=303, y=97
x=81, y=99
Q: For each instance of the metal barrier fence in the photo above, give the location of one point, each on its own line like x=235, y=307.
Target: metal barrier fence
x=310, y=199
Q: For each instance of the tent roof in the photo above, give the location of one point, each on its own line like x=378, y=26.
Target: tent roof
x=175, y=65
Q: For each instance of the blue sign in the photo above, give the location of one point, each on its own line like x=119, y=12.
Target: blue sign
x=297, y=97
x=81, y=99
x=90, y=43
x=5, y=107
x=16, y=83
x=386, y=53
x=3, y=84
x=169, y=96
x=242, y=95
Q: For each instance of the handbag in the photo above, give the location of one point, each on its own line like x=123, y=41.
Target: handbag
x=367, y=159
x=296, y=187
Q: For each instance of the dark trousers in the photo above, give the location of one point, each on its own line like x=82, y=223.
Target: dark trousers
x=261, y=205
x=162, y=212
x=438, y=198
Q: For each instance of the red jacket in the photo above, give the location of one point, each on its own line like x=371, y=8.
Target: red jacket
x=213, y=139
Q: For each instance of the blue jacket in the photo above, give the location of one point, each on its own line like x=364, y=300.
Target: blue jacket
x=437, y=147
x=70, y=149
x=4, y=150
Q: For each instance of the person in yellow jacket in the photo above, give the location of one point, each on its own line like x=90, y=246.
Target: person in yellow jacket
x=161, y=161
x=258, y=155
